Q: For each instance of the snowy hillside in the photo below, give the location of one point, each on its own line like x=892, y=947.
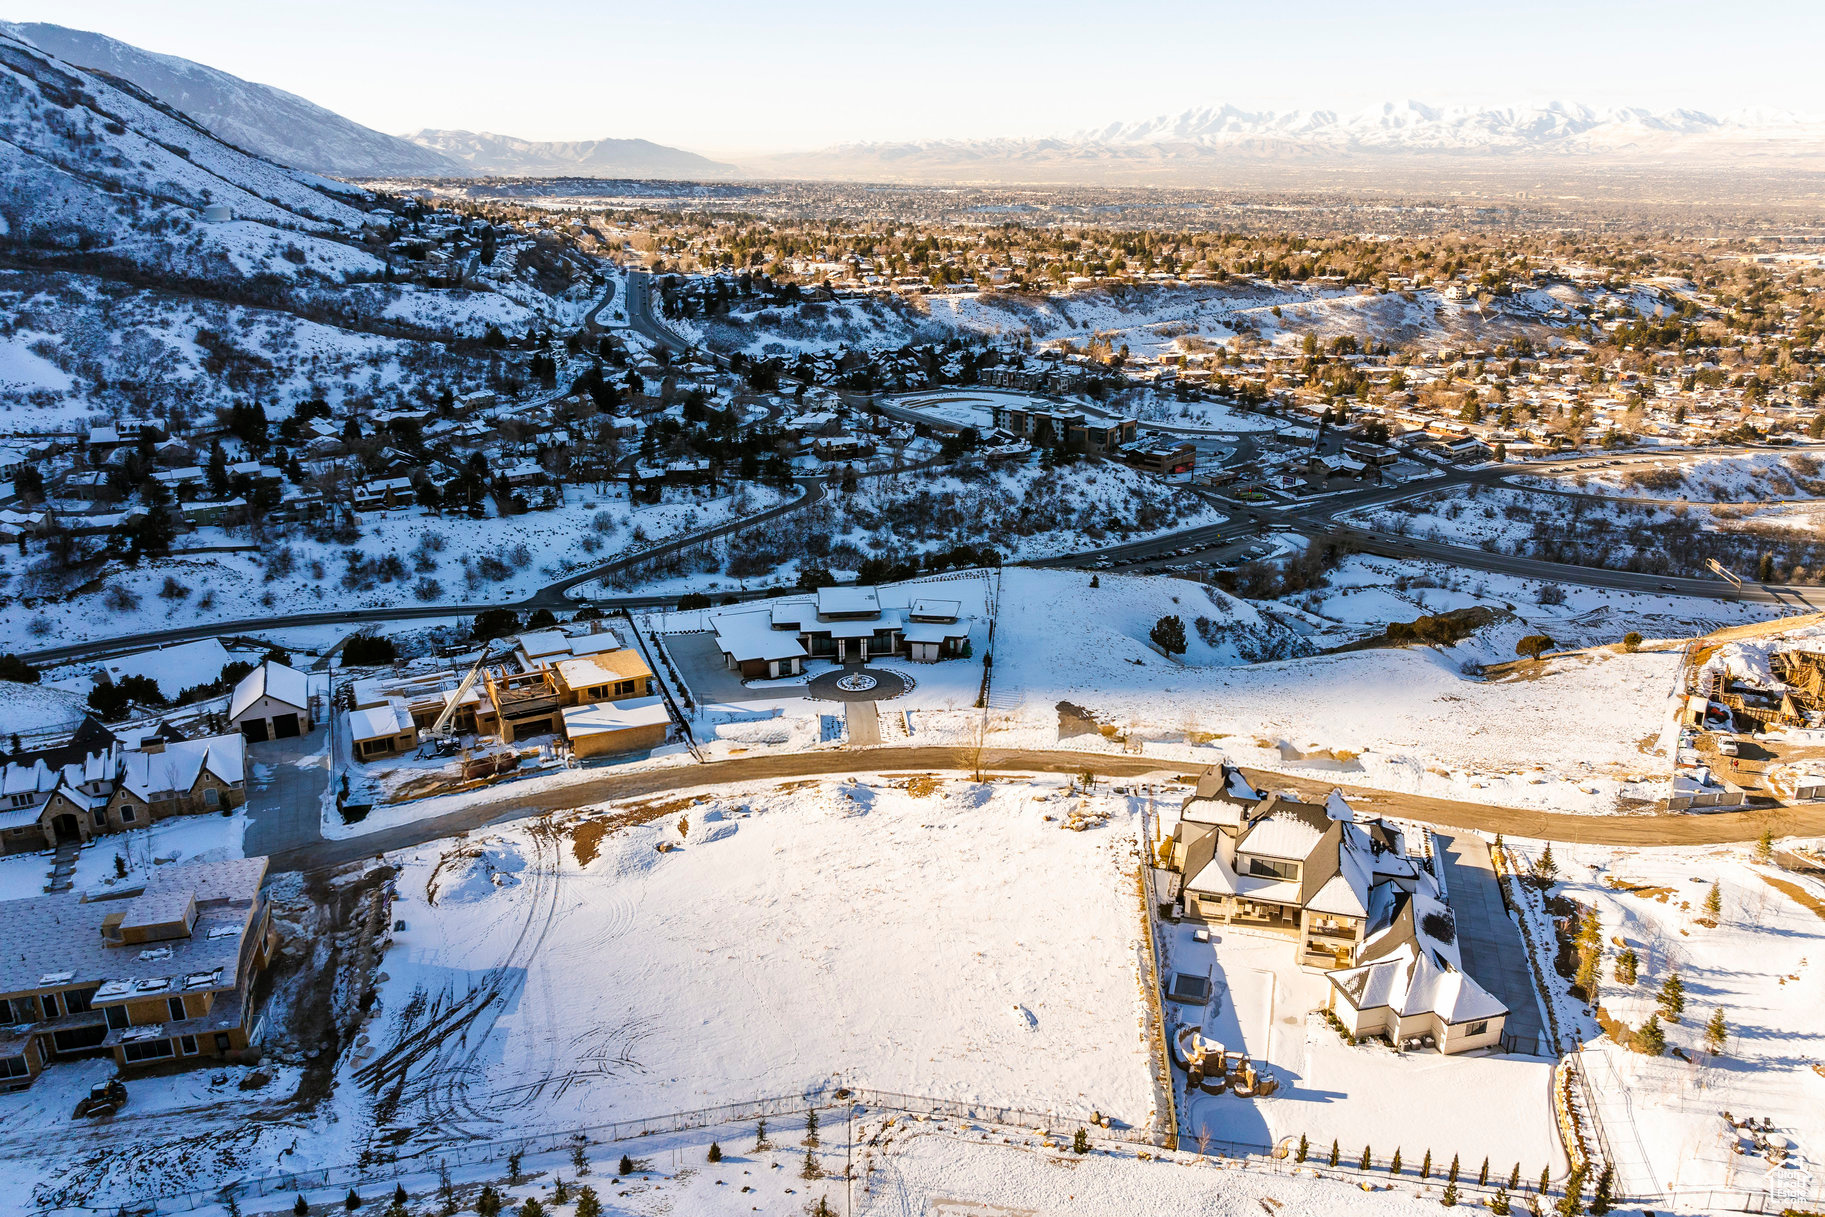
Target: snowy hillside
x=89, y=167
x=270, y=122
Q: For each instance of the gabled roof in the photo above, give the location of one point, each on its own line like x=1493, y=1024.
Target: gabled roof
x=285, y=685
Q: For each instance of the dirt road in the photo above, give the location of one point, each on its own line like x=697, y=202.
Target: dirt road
x=1661, y=828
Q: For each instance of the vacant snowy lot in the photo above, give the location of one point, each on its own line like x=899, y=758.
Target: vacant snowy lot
x=1762, y=964
x=945, y=940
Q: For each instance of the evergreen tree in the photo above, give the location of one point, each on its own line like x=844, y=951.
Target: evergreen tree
x=1168, y=633
x=1449, y=1197
x=488, y=1202
x=1333, y=1151
x=715, y=1152
x=1080, y=1143
x=1514, y=1177
x=1628, y=967
x=1764, y=846
x=1299, y=1154
x=1545, y=1185
x=513, y=1166
x=1673, y=997
x=302, y=1207
x=811, y=1127
x=1545, y=870
x=399, y=1195
x=588, y=1203
x=1364, y=1164
x=1452, y=1173
x=560, y=1191
x=352, y=1201
x=1482, y=1176
x=1572, y=1202
x=627, y=1165
x=579, y=1160
x=760, y=1136
x=1394, y=1163
x=1425, y=1166
x=1498, y=1203
x=531, y=1207
x=1651, y=1039
x=1601, y=1200
x=1714, y=902
x=1717, y=1031
x=810, y=1170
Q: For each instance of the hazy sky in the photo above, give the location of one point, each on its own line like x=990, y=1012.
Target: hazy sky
x=725, y=78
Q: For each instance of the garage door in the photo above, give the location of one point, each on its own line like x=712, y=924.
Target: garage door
x=254, y=729
x=285, y=726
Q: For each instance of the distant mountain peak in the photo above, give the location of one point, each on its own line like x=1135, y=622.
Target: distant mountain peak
x=487, y=152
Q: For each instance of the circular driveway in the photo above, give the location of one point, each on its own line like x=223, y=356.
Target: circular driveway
x=840, y=685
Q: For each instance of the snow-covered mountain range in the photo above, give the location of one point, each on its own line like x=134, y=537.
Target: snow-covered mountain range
x=275, y=124
x=286, y=128
x=508, y=156
x=1398, y=132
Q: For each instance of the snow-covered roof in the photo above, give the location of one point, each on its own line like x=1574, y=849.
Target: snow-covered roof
x=1281, y=835
x=847, y=600
x=751, y=636
x=614, y=716
x=176, y=766
x=936, y=631
x=378, y=722
x=274, y=680
x=936, y=610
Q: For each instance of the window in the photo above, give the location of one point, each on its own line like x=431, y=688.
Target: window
x=101, y=817
x=1480, y=1027
x=76, y=1001
x=186, y=1044
x=222, y=1041
x=176, y=1006
x=150, y=1050
x=24, y=1010
x=1273, y=868
x=14, y=1067
x=6, y=1012
x=49, y=1002
x=117, y=1017
x=212, y=797
x=126, y=815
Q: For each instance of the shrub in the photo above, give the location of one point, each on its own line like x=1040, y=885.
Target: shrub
x=1168, y=633
x=368, y=650
x=1631, y=641
x=627, y=1165
x=17, y=670
x=715, y=1152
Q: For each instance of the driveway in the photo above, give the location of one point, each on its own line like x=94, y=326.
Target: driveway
x=1490, y=944
x=286, y=783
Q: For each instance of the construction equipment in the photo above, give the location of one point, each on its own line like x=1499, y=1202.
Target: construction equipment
x=103, y=1099
x=1722, y=572
x=440, y=737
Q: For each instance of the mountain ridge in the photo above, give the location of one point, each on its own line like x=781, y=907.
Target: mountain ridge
x=493, y=154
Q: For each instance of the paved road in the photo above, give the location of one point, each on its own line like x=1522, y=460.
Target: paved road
x=308, y=852
x=1489, y=943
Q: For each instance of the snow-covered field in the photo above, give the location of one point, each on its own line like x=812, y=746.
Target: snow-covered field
x=1701, y=478
x=951, y=942
x=1762, y=964
x=198, y=838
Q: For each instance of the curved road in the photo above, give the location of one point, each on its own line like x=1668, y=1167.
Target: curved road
x=307, y=850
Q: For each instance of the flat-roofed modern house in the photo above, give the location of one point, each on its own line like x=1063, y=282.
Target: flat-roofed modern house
x=843, y=624
x=271, y=702
x=752, y=646
x=935, y=630
x=164, y=973
x=1345, y=893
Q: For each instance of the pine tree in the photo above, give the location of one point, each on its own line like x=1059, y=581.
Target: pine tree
x=627, y=1165
x=531, y=1207
x=1764, y=846
x=488, y=1202
x=1651, y=1039
x=579, y=1160
x=1628, y=966
x=1394, y=1165
x=1364, y=1164
x=302, y=1208
x=399, y=1195
x=1572, y=1202
x=446, y=1195
x=560, y=1191
x=811, y=1127
x=588, y=1203
x=1299, y=1155
x=1449, y=1197
x=513, y=1167
x=1452, y=1173
x=352, y=1201
x=1498, y=1203
x=1482, y=1176
x=715, y=1152
x=1717, y=1031
x=1514, y=1177
x=760, y=1136
x=1333, y=1151
x=1425, y=1166
x=1080, y=1144
x=1545, y=1184
x=1545, y=870
x=1600, y=1195
x=1673, y=997
x=1714, y=902
x=810, y=1170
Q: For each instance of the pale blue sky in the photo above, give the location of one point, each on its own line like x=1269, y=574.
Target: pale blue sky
x=729, y=78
